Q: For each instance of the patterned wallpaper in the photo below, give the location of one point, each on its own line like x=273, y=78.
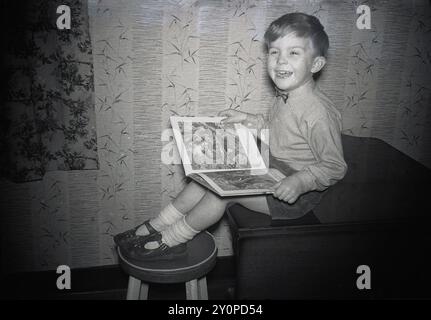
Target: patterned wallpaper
x=155, y=59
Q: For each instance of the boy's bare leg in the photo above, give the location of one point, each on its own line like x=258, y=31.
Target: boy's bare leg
x=212, y=207
x=189, y=197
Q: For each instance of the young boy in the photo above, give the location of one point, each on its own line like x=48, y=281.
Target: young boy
x=304, y=140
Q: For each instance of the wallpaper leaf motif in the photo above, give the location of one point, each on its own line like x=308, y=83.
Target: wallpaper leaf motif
x=114, y=101
x=181, y=64
x=416, y=91
x=49, y=211
x=244, y=57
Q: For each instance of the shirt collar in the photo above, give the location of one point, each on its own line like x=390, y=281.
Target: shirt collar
x=281, y=94
x=308, y=87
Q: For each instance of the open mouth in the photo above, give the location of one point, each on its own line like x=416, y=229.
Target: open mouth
x=283, y=74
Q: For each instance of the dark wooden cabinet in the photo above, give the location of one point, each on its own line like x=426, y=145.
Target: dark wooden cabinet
x=378, y=216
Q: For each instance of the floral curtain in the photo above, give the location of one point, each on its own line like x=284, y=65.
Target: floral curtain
x=48, y=120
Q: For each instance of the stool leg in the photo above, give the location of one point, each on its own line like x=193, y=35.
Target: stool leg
x=202, y=288
x=133, y=289
x=144, y=291
x=196, y=289
x=192, y=289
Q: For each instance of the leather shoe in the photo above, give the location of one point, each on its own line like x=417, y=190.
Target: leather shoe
x=122, y=238
x=136, y=249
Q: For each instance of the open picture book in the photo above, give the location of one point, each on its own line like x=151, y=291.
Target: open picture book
x=222, y=157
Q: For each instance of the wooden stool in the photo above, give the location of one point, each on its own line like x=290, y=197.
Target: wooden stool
x=191, y=269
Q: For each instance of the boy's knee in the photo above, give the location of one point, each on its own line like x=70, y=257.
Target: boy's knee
x=211, y=195
x=216, y=199
x=196, y=186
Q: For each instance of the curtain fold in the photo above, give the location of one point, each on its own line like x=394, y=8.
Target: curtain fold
x=48, y=118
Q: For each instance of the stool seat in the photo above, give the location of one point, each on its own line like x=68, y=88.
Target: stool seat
x=200, y=258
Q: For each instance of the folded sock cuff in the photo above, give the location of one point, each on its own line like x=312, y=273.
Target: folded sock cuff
x=186, y=225
x=169, y=215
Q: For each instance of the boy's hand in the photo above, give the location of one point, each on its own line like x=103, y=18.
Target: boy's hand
x=289, y=189
x=232, y=116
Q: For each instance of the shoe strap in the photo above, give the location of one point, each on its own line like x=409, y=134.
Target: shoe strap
x=150, y=228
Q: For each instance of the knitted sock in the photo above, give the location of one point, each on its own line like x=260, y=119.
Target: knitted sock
x=176, y=234
x=165, y=218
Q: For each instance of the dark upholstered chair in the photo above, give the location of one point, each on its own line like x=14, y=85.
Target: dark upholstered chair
x=378, y=216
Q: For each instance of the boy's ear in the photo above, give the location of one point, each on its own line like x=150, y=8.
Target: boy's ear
x=318, y=63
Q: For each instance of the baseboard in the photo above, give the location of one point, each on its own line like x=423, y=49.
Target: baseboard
x=101, y=282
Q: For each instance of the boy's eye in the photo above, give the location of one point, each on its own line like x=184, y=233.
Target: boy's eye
x=293, y=53
x=273, y=52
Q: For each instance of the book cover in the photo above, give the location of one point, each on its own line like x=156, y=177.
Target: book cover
x=222, y=157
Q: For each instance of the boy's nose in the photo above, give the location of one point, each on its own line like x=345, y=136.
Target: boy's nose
x=282, y=59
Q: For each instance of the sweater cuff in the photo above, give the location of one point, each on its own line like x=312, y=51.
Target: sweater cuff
x=307, y=179
x=254, y=121
x=250, y=120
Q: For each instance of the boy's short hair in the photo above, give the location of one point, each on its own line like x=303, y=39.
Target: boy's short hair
x=304, y=26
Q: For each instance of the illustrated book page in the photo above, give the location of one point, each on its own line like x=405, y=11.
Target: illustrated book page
x=223, y=157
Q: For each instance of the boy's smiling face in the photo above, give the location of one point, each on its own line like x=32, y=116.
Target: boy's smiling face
x=292, y=62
